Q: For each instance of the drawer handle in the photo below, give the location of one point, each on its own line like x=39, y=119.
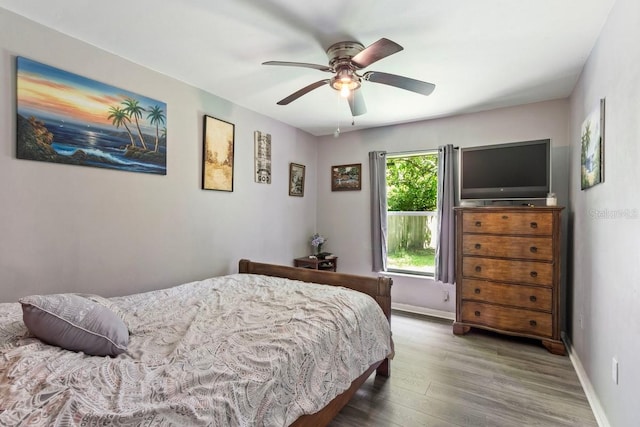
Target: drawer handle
x=478, y=269
x=477, y=290
x=533, y=323
x=534, y=225
x=533, y=298
x=533, y=249
x=534, y=274
x=477, y=313
x=505, y=216
x=478, y=223
x=478, y=246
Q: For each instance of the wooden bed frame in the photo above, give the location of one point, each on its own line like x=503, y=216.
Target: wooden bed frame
x=378, y=288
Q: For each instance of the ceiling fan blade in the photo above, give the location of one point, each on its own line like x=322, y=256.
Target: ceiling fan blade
x=375, y=52
x=303, y=91
x=356, y=103
x=406, y=83
x=300, y=64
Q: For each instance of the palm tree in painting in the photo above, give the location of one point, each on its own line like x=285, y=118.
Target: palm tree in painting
x=156, y=116
x=133, y=109
x=119, y=118
x=163, y=135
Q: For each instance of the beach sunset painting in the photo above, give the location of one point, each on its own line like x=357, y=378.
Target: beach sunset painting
x=66, y=118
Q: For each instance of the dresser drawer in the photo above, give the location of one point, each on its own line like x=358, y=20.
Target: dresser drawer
x=531, y=272
x=533, y=223
x=508, y=319
x=538, y=248
x=529, y=297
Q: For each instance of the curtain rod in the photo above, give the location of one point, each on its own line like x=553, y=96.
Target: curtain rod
x=406, y=153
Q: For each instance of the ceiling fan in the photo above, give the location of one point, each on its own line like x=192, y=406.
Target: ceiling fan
x=345, y=60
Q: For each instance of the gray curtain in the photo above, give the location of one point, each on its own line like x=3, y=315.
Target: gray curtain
x=445, y=251
x=378, y=178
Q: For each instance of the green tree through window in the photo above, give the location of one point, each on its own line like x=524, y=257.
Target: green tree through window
x=412, y=183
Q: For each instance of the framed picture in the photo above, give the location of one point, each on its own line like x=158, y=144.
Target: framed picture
x=592, y=148
x=67, y=118
x=217, y=157
x=296, y=179
x=346, y=177
x=262, y=154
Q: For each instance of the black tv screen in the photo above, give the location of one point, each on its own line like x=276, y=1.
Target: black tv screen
x=519, y=170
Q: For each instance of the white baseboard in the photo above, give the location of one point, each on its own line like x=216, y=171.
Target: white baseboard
x=423, y=310
x=592, y=397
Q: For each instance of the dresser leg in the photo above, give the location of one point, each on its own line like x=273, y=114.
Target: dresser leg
x=460, y=329
x=555, y=347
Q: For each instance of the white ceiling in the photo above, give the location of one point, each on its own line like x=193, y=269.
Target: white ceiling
x=480, y=54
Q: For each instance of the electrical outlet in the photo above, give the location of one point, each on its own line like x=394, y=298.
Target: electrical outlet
x=445, y=295
x=581, y=321
x=614, y=370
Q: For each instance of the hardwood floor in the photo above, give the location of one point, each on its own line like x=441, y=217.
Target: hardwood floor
x=480, y=379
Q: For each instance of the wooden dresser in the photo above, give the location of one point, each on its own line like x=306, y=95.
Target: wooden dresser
x=508, y=272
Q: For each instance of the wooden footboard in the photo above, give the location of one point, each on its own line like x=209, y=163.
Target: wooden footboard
x=378, y=288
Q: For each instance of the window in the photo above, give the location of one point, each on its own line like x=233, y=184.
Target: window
x=412, y=229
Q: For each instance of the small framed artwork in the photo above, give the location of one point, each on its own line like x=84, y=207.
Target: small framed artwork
x=296, y=179
x=346, y=177
x=217, y=157
x=262, y=154
x=592, y=148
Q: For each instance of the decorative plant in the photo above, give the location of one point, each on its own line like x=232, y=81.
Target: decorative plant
x=317, y=241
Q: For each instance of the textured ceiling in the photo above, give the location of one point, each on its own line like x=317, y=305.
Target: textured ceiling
x=480, y=54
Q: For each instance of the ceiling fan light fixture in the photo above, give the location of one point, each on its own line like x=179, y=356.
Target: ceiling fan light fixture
x=345, y=91
x=345, y=81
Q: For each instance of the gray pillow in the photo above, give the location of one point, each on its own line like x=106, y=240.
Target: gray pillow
x=117, y=310
x=75, y=323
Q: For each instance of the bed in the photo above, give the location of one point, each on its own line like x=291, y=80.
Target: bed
x=271, y=345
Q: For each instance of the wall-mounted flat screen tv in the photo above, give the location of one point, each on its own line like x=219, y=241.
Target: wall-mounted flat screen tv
x=519, y=170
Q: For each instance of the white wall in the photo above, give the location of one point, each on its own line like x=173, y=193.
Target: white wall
x=343, y=217
x=606, y=223
x=71, y=228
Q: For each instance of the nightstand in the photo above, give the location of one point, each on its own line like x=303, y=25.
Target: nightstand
x=328, y=264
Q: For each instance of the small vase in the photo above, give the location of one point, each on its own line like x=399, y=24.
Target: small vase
x=319, y=249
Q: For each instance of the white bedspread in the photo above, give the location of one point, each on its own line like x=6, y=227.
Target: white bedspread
x=238, y=350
